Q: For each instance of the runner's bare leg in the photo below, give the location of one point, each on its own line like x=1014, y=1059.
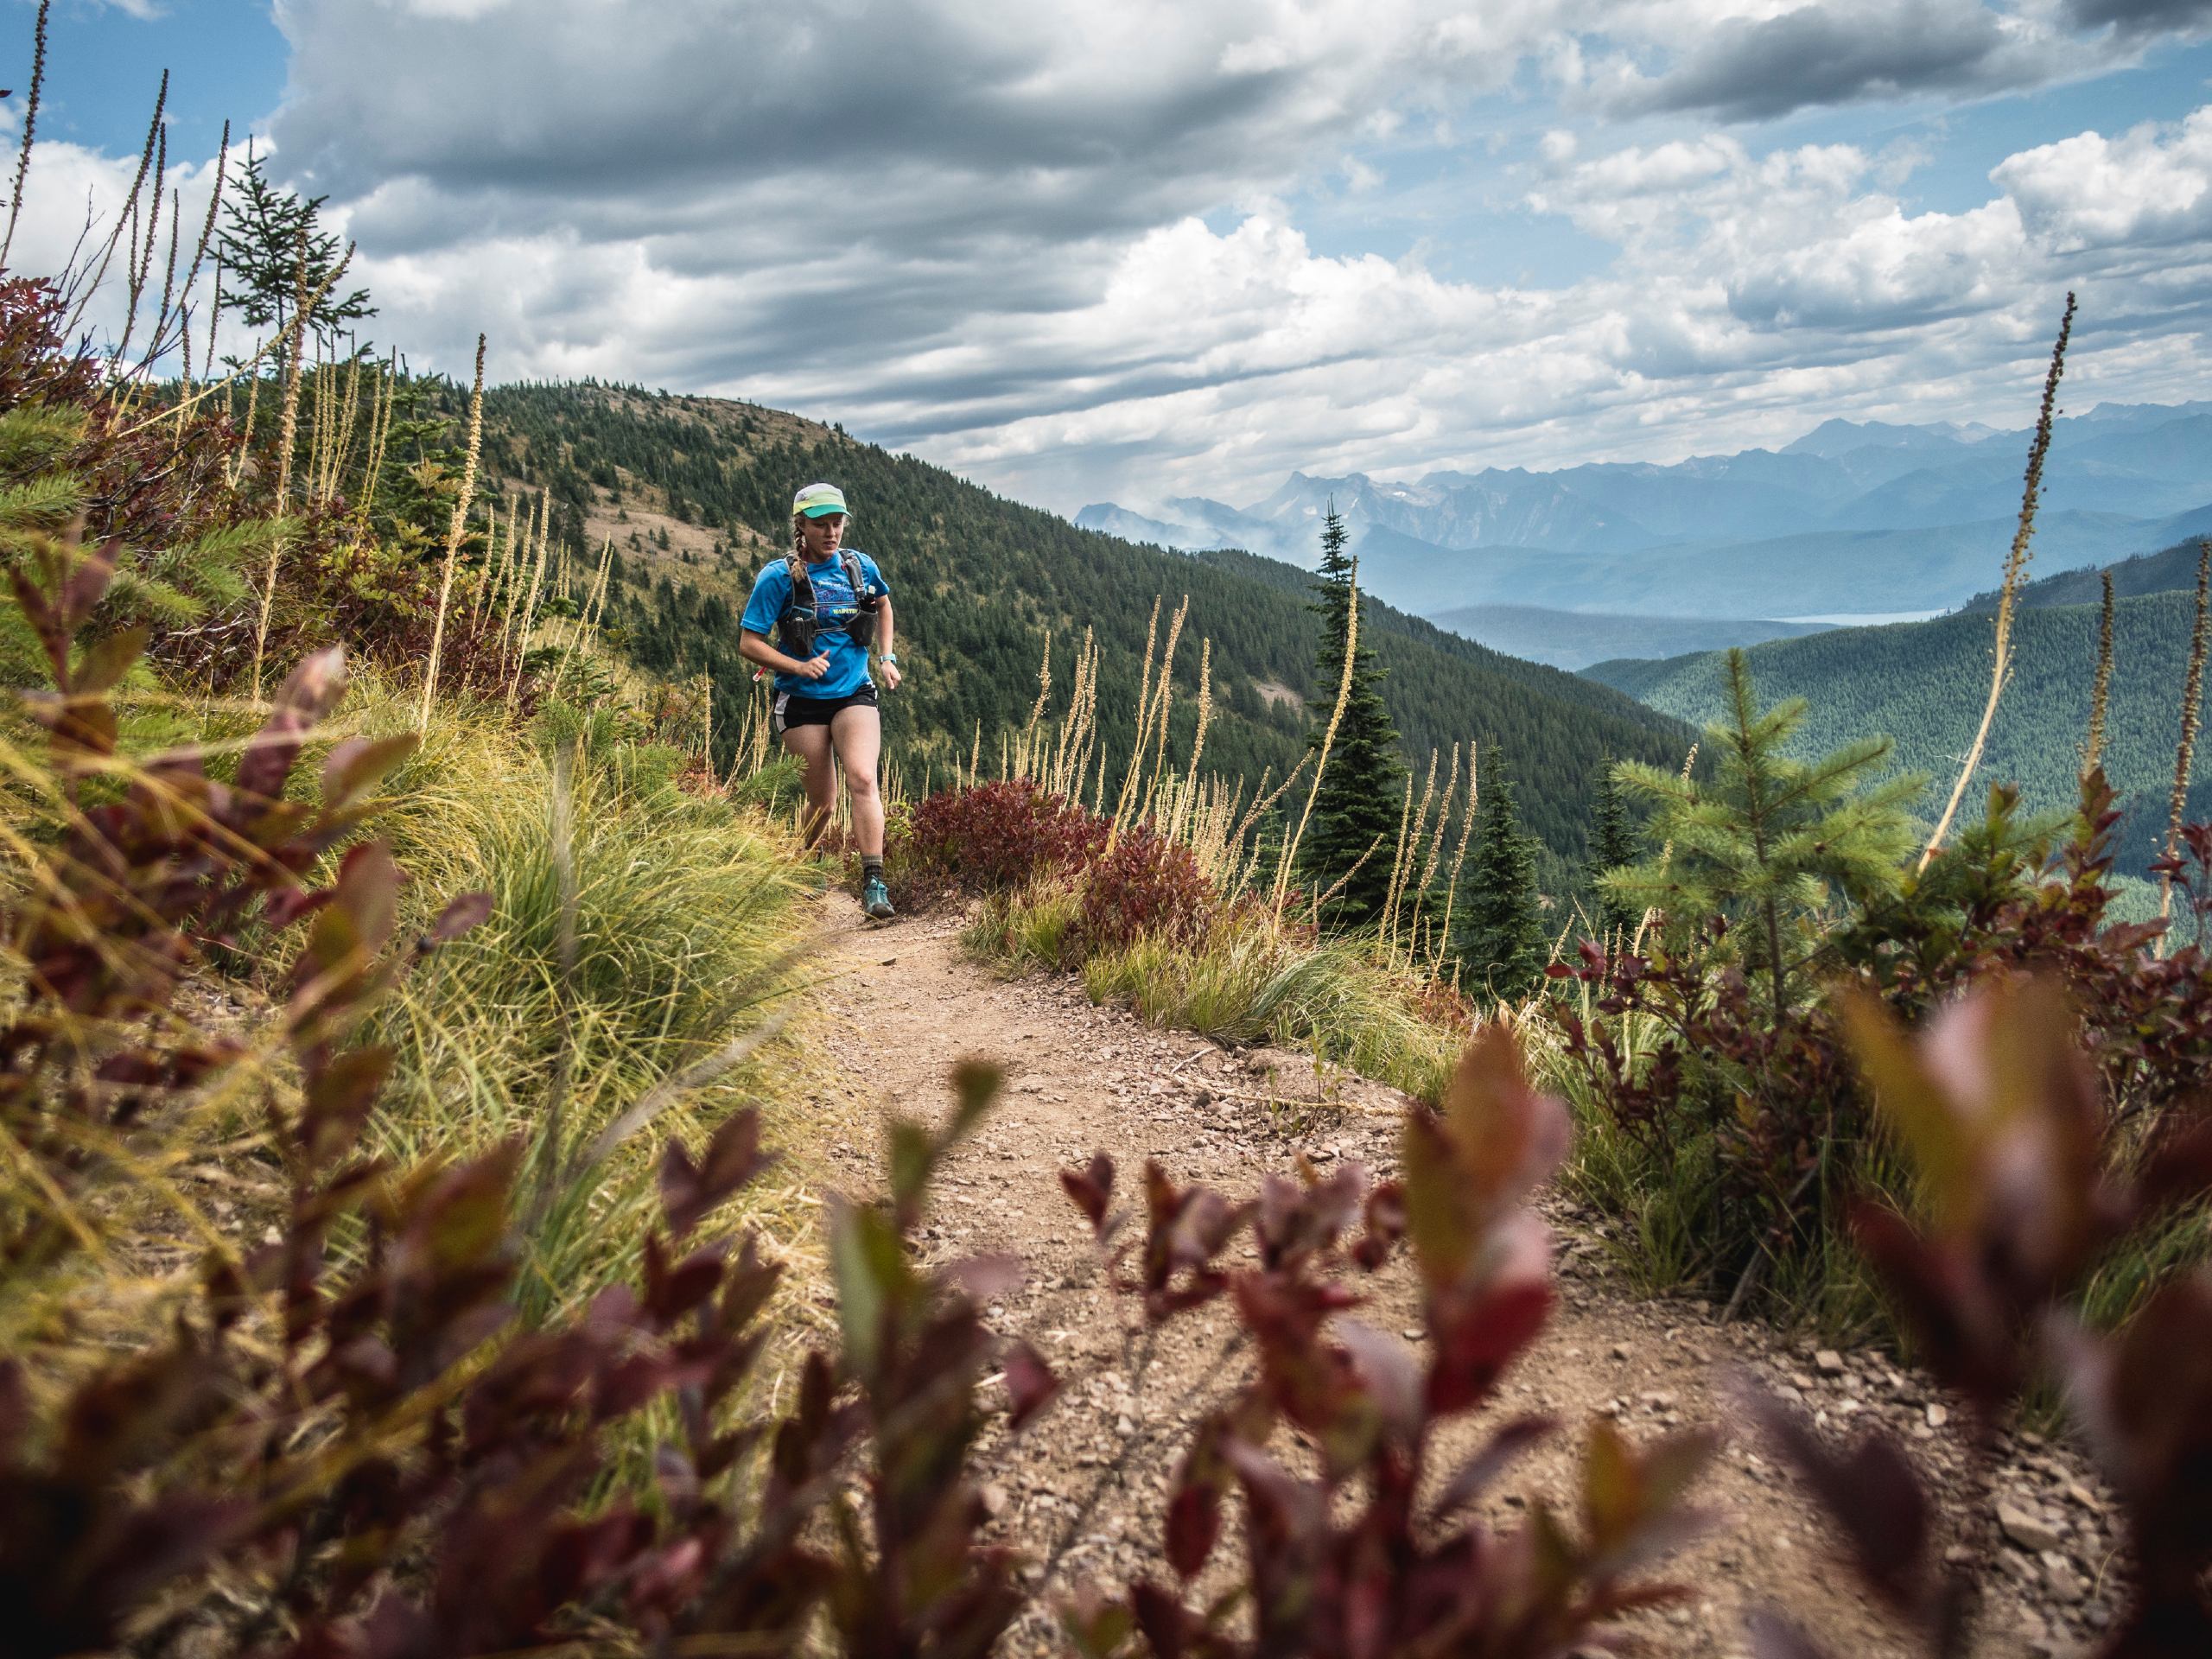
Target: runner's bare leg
x=859, y=734
x=811, y=744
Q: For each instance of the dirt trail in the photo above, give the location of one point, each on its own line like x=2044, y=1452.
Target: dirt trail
x=1080, y=1492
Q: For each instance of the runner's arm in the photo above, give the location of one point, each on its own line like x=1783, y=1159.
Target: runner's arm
x=755, y=648
x=886, y=638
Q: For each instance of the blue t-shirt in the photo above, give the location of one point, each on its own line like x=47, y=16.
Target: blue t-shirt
x=834, y=605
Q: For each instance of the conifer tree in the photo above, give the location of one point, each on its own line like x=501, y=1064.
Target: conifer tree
x=264, y=228
x=1356, y=812
x=1612, y=845
x=1772, y=842
x=1499, y=933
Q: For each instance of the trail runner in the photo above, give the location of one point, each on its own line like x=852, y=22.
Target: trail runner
x=811, y=619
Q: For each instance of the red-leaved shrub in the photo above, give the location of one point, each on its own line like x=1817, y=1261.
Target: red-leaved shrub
x=996, y=836
x=1369, y=1545
x=2021, y=1195
x=1145, y=883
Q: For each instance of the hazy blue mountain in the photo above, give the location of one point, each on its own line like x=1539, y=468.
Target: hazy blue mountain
x=1855, y=516
x=1108, y=519
x=1574, y=639
x=1832, y=439
x=1815, y=573
x=2169, y=570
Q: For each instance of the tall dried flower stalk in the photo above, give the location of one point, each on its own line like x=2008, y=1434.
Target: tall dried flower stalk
x=1328, y=737
x=31, y=127
x=1443, y=817
x=1133, y=778
x=529, y=603
x=2016, y=564
x=1186, y=796
x=1459, y=856
x=1166, y=703
x=1398, y=852
x=380, y=415
x=1144, y=710
x=454, y=531
x=2093, y=750
x=2192, y=706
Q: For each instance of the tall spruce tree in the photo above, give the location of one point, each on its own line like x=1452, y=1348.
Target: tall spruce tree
x=1612, y=846
x=1499, y=933
x=1356, y=814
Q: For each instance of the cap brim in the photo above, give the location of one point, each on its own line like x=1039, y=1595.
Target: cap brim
x=823, y=512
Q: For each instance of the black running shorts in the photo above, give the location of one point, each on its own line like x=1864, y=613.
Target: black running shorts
x=791, y=709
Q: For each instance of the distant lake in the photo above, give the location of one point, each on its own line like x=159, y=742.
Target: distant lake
x=1865, y=619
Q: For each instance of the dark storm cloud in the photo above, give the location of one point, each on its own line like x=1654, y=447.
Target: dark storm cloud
x=617, y=113
x=1755, y=71
x=2141, y=18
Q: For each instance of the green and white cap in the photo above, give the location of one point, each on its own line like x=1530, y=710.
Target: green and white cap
x=819, y=502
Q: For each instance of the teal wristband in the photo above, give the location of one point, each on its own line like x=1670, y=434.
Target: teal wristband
x=889, y=657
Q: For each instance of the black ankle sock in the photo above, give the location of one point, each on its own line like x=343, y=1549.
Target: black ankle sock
x=871, y=868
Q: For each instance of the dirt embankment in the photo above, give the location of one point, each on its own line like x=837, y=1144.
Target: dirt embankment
x=1082, y=1492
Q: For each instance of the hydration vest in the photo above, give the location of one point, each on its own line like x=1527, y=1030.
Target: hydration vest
x=796, y=629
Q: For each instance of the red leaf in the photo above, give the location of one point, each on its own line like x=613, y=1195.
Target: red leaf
x=1476, y=1341
x=469, y=910
x=1030, y=1384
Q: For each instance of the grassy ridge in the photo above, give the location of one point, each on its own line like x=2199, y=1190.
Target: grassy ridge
x=1922, y=683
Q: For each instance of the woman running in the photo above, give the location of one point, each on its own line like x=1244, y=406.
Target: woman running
x=826, y=604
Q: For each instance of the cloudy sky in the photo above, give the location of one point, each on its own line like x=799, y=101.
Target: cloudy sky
x=1081, y=250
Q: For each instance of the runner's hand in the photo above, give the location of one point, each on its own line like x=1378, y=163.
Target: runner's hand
x=814, y=667
x=891, y=676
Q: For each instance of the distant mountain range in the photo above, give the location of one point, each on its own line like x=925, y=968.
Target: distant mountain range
x=1852, y=518
x=1574, y=639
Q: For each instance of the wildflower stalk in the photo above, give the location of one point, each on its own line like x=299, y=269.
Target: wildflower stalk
x=2016, y=564
x=1328, y=737
x=1460, y=854
x=2192, y=699
x=2100, y=690
x=31, y=127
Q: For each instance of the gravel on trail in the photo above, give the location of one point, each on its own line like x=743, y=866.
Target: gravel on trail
x=1081, y=1493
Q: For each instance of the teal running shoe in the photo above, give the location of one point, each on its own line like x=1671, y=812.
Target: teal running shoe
x=875, y=899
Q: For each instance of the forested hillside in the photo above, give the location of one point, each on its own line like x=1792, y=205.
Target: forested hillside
x=2164, y=572
x=695, y=491
x=1922, y=683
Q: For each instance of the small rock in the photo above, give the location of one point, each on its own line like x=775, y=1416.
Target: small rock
x=994, y=1496
x=1122, y=1425
x=1828, y=1363
x=1620, y=1351
x=2025, y=1527
x=2063, y=1581
x=1938, y=1414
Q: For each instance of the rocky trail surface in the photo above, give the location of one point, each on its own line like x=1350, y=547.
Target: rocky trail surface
x=1082, y=1492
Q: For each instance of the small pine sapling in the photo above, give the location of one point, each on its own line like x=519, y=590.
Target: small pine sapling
x=1772, y=841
